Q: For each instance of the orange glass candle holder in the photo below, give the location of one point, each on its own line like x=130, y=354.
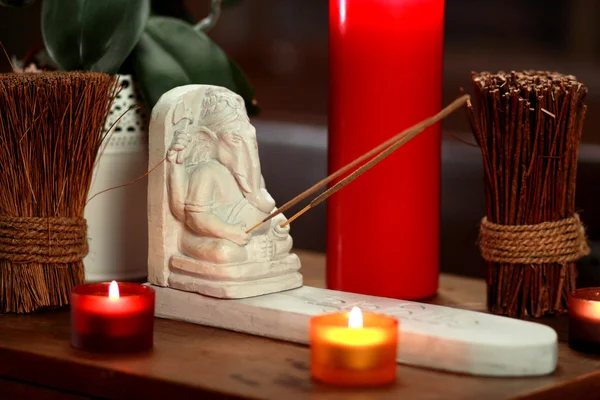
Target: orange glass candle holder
x=353, y=349
x=584, y=320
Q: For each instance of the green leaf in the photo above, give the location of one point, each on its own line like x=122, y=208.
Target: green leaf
x=94, y=35
x=171, y=53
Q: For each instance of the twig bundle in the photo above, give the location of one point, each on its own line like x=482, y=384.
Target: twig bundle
x=528, y=126
x=50, y=133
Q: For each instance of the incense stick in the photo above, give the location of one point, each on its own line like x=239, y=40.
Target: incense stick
x=358, y=172
x=382, y=151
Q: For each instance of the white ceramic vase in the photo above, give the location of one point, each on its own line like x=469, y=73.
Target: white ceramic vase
x=117, y=222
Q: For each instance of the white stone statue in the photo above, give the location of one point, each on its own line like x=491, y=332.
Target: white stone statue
x=203, y=199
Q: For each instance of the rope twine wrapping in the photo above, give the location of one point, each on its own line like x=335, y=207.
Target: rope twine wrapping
x=559, y=242
x=47, y=240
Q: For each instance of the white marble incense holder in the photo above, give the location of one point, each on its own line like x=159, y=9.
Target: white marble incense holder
x=430, y=336
x=208, y=189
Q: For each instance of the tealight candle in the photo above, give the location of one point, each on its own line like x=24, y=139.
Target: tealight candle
x=115, y=317
x=584, y=320
x=353, y=349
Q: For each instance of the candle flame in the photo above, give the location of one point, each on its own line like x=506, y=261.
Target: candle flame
x=113, y=290
x=356, y=318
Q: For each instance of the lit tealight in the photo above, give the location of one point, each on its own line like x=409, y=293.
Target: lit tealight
x=584, y=320
x=112, y=317
x=353, y=348
x=113, y=290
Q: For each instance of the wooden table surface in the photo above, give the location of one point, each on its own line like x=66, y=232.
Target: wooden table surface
x=190, y=361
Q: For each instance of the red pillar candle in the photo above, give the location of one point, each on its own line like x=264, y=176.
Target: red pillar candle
x=385, y=75
x=113, y=318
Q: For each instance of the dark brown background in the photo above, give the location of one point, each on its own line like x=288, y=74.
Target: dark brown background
x=282, y=46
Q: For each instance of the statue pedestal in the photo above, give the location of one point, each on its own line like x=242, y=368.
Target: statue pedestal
x=235, y=281
x=430, y=336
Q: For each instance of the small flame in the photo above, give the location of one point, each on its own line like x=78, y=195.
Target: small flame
x=356, y=318
x=113, y=290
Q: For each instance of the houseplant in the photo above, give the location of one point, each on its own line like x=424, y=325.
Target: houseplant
x=154, y=40
x=153, y=45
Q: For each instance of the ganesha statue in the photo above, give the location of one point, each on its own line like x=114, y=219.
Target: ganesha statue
x=207, y=192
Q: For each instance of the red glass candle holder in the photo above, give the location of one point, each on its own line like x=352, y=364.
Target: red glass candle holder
x=353, y=356
x=584, y=320
x=112, y=325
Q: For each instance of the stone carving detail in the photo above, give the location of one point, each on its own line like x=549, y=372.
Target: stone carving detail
x=404, y=311
x=209, y=193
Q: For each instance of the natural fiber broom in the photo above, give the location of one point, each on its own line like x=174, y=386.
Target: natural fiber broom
x=51, y=128
x=528, y=126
